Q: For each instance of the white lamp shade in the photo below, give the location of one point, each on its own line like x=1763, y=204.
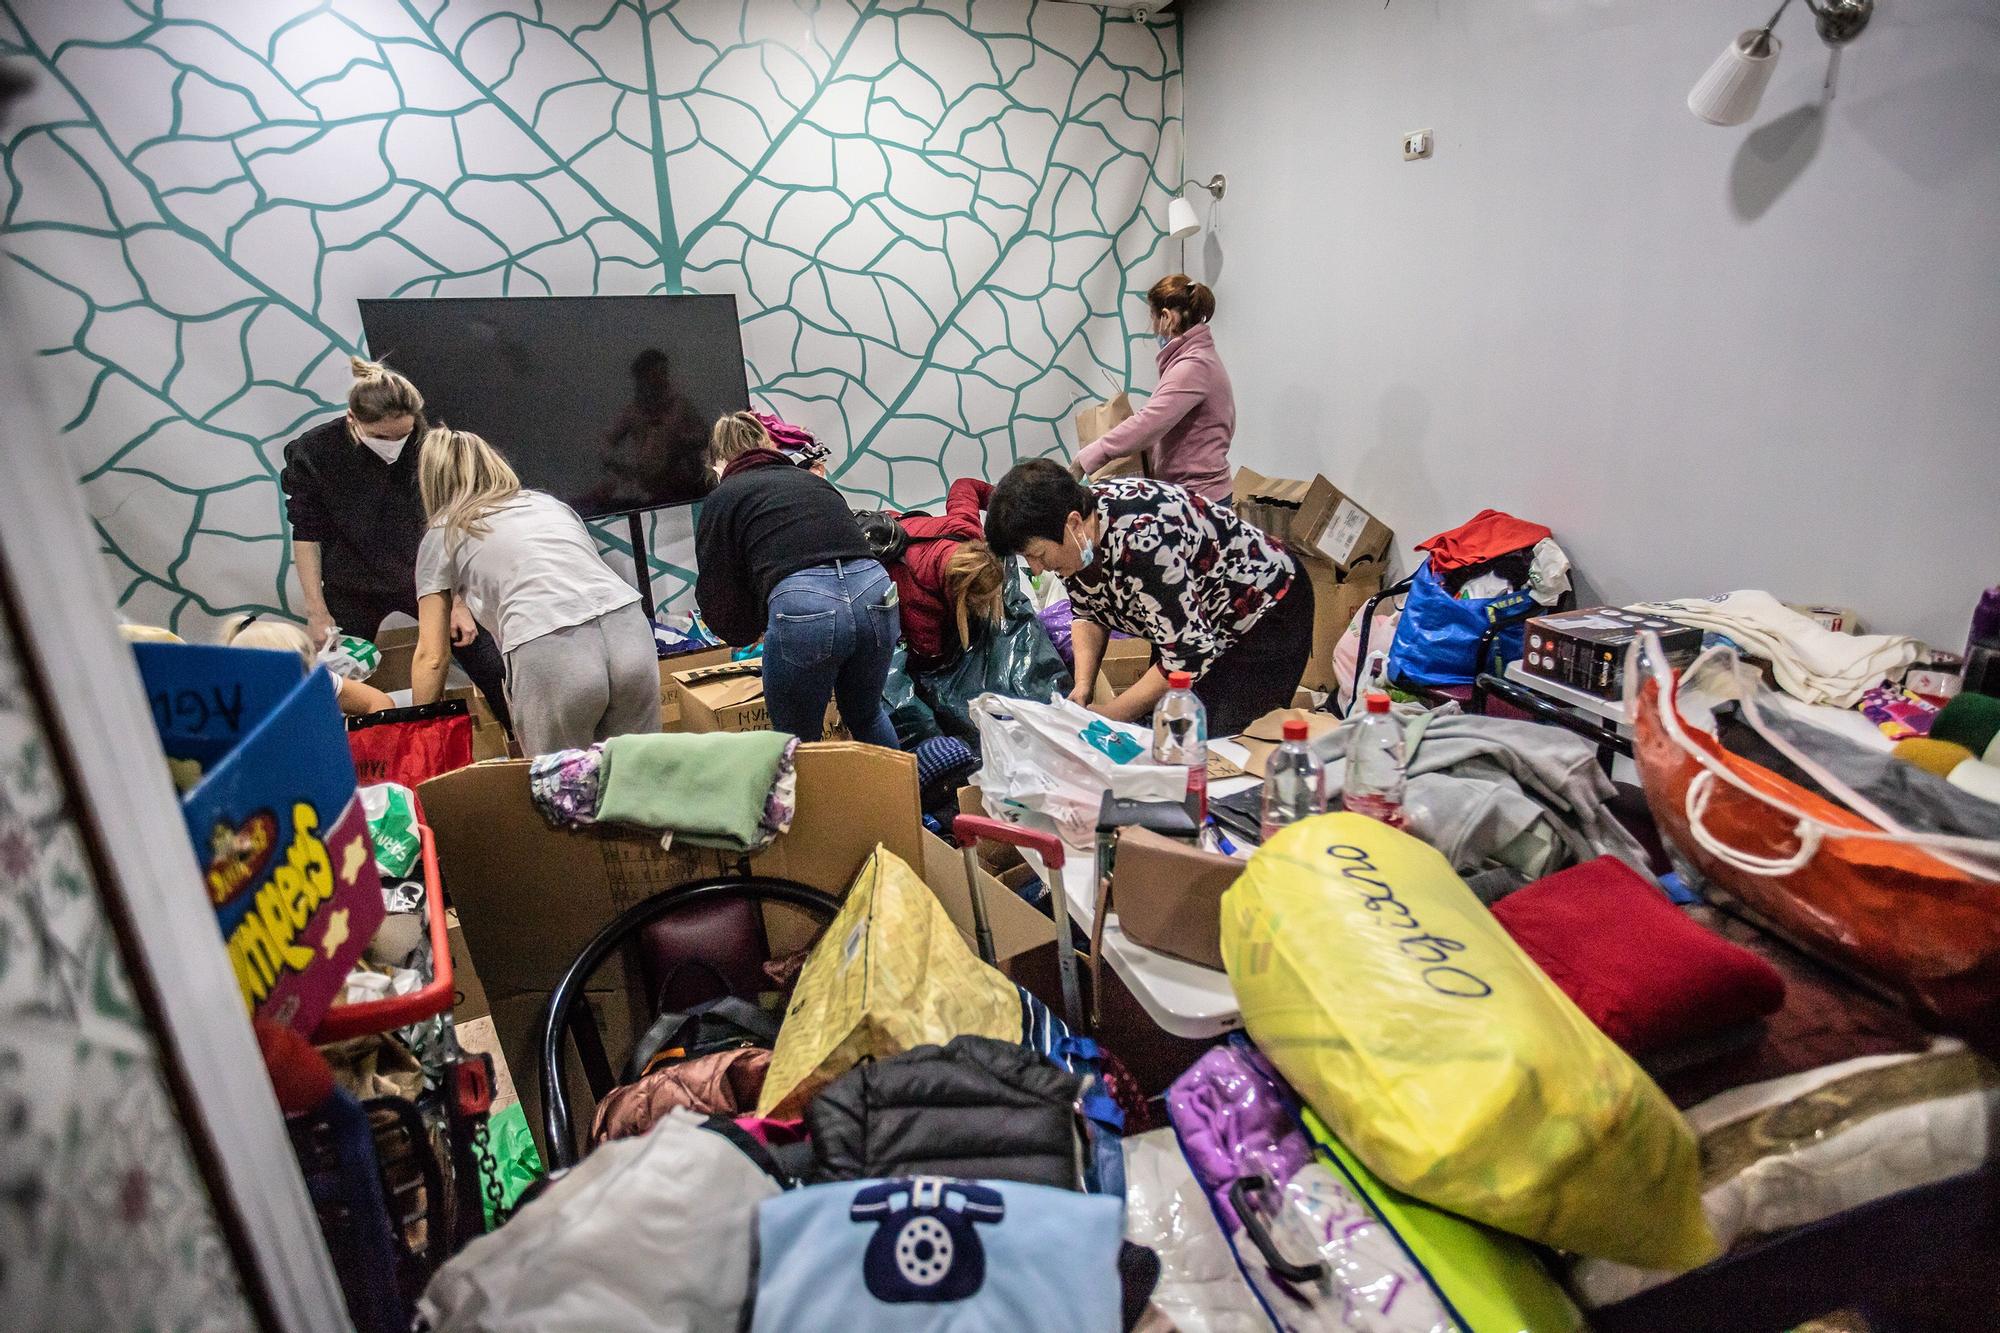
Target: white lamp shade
x=1181, y=221
x=1728, y=94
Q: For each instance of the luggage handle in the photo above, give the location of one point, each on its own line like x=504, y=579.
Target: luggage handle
x=976, y=828
x=1253, y=1226
x=1701, y=789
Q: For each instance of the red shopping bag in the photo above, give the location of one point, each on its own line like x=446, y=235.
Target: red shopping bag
x=411, y=745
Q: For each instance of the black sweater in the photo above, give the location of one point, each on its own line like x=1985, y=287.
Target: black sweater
x=365, y=514
x=767, y=519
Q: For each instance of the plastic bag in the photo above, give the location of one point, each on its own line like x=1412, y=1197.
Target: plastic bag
x=514, y=1163
x=1433, y=1046
x=1916, y=910
x=349, y=657
x=890, y=973
x=1437, y=639
x=910, y=715
x=392, y=824
x=1059, y=619
x=1015, y=658
x=1038, y=768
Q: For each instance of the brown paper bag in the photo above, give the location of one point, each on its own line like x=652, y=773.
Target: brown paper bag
x=1096, y=421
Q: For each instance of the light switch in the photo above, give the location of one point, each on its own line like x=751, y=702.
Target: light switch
x=1416, y=144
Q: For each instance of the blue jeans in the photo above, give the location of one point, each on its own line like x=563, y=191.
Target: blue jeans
x=831, y=632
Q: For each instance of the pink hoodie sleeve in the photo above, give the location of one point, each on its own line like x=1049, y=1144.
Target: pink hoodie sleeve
x=1181, y=388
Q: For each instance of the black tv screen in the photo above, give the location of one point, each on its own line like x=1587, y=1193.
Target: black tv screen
x=604, y=402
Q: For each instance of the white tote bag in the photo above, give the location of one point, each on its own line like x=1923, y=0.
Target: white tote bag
x=1041, y=771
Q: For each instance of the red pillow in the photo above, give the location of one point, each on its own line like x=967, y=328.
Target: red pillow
x=1632, y=961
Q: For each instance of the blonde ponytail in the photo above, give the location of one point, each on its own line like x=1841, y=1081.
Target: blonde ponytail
x=736, y=435
x=462, y=479
x=974, y=585
x=379, y=392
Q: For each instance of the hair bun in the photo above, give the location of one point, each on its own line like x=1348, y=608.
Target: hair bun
x=365, y=369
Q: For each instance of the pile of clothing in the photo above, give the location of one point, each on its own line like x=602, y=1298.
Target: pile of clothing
x=1809, y=661
x=1494, y=554
x=834, y=1162
x=1505, y=801
x=734, y=791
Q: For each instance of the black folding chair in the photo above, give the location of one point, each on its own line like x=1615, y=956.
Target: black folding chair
x=568, y=1012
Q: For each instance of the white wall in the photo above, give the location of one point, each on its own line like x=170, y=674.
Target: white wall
x=1709, y=358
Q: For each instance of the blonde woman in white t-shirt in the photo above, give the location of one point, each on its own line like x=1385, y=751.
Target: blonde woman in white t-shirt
x=579, y=653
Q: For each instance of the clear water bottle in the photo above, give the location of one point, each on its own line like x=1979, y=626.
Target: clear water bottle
x=1180, y=736
x=1294, y=782
x=1374, y=782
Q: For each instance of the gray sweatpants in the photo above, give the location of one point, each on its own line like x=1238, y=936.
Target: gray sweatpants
x=587, y=683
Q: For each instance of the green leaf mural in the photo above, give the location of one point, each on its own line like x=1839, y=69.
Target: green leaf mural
x=936, y=218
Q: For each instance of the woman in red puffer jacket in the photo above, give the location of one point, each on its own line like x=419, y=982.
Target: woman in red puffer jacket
x=947, y=576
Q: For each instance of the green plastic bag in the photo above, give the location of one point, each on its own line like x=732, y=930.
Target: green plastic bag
x=1015, y=659
x=515, y=1164
x=911, y=716
x=392, y=823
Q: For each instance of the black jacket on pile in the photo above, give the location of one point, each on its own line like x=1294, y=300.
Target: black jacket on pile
x=976, y=1109
x=768, y=518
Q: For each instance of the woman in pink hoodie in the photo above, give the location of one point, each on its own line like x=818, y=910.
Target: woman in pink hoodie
x=1190, y=418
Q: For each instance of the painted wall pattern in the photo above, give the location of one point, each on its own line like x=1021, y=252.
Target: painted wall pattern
x=104, y=1221
x=936, y=218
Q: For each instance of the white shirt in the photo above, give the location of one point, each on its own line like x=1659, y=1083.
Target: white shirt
x=535, y=570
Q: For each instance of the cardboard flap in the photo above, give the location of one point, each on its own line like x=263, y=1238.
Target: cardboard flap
x=1262, y=737
x=1016, y=926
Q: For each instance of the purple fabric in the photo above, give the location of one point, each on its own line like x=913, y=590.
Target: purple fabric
x=1057, y=618
x=1234, y=1119
x=784, y=434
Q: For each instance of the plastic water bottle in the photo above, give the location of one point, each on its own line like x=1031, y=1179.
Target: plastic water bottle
x=1294, y=782
x=1180, y=736
x=1375, y=768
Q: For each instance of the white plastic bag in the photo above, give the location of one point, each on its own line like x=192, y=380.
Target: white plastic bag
x=1039, y=768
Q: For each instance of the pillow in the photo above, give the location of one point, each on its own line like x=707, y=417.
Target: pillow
x=1632, y=961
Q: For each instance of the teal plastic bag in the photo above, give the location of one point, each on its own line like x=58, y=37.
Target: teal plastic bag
x=910, y=715
x=1015, y=659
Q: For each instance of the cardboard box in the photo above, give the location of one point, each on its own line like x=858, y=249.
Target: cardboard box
x=729, y=696
x=398, y=648
x=1838, y=619
x=670, y=698
x=1337, y=599
x=489, y=738
x=1168, y=895
x=275, y=824
x=1124, y=661
x=529, y=897
x=1312, y=518
x=1586, y=649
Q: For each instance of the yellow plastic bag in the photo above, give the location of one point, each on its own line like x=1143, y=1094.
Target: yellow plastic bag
x=891, y=973
x=1444, y=1057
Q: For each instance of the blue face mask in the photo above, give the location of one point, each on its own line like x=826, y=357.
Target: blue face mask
x=1163, y=339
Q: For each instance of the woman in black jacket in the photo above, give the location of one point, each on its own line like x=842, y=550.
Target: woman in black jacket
x=780, y=555
x=351, y=495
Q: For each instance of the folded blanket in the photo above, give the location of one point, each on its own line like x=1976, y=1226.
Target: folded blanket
x=707, y=790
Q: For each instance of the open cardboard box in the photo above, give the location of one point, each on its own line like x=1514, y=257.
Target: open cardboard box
x=1313, y=518
x=529, y=897
x=728, y=696
x=397, y=649
x=1124, y=661
x=670, y=696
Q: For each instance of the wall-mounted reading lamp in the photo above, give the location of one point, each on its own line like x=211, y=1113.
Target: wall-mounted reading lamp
x=1181, y=220
x=1728, y=94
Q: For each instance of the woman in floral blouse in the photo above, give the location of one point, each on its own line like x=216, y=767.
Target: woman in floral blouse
x=1213, y=595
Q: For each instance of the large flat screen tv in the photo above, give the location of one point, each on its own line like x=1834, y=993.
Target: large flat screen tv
x=602, y=401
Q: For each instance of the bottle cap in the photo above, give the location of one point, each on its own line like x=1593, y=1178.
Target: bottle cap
x=1180, y=680
x=1295, y=728
x=1378, y=702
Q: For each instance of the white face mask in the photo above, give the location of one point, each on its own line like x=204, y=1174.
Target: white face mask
x=386, y=450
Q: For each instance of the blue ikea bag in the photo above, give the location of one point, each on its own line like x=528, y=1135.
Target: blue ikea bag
x=1437, y=640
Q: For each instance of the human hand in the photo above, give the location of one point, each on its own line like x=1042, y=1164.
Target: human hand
x=319, y=627
x=1081, y=695
x=464, y=629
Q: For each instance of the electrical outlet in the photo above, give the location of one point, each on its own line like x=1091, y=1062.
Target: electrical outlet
x=1418, y=143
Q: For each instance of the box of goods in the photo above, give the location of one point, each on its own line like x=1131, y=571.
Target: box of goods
x=275, y=822
x=729, y=696
x=670, y=698
x=1586, y=649
x=1312, y=518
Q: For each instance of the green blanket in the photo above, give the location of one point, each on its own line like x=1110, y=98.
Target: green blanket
x=707, y=790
